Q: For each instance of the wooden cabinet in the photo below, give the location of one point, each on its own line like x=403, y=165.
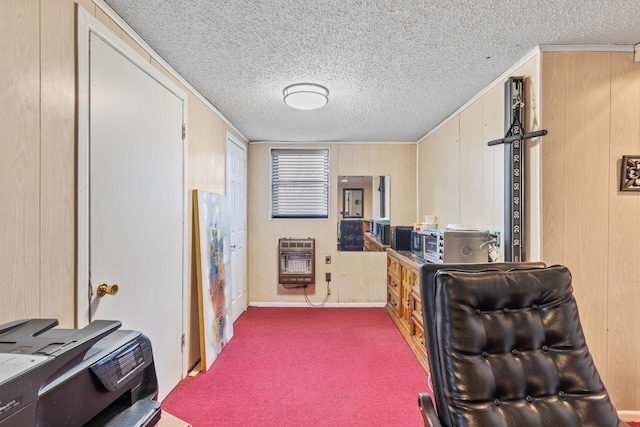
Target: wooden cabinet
x=403, y=302
x=372, y=245
x=394, y=306
x=417, y=326
x=410, y=278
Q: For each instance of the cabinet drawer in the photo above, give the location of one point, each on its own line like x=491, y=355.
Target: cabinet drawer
x=393, y=301
x=418, y=332
x=416, y=305
x=394, y=283
x=393, y=266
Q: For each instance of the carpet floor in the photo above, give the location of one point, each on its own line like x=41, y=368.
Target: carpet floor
x=306, y=367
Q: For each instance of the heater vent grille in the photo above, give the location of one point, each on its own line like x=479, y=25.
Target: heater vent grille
x=296, y=259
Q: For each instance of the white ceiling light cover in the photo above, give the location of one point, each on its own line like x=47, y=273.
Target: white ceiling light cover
x=306, y=96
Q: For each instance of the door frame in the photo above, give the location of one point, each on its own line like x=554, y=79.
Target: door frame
x=87, y=24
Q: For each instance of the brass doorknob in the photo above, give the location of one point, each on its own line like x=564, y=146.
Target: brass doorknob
x=105, y=289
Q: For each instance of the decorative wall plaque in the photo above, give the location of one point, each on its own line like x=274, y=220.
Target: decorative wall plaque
x=630, y=173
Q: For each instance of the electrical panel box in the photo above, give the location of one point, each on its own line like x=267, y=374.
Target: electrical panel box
x=297, y=261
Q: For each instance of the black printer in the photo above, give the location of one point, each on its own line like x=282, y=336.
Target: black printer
x=95, y=376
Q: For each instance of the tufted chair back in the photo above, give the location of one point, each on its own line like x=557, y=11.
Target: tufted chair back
x=427, y=294
x=510, y=351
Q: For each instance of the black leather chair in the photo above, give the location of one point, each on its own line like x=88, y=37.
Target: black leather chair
x=506, y=348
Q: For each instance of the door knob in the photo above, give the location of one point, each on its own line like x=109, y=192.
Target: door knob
x=233, y=246
x=105, y=289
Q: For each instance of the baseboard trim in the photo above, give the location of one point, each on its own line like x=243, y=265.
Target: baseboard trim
x=629, y=415
x=327, y=305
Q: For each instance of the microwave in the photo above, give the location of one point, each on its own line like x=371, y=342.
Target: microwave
x=455, y=246
x=416, y=243
x=381, y=231
x=401, y=237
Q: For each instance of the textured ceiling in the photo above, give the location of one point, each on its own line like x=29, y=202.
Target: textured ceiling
x=395, y=69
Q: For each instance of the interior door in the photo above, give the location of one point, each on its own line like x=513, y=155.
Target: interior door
x=136, y=204
x=236, y=192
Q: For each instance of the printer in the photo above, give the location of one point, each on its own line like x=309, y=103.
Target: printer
x=94, y=376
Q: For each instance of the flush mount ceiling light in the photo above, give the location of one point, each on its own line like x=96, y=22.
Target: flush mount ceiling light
x=306, y=96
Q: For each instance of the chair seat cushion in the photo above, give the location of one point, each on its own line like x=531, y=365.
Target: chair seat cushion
x=513, y=353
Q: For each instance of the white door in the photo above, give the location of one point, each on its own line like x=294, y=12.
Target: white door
x=236, y=193
x=136, y=204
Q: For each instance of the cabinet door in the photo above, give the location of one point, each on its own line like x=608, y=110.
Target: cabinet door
x=406, y=294
x=393, y=286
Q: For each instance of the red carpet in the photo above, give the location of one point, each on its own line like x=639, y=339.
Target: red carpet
x=307, y=367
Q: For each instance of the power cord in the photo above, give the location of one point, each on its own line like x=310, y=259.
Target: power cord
x=321, y=305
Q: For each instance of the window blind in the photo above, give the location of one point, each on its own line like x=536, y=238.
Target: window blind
x=300, y=183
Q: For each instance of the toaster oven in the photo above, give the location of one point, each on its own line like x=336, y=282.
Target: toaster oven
x=455, y=246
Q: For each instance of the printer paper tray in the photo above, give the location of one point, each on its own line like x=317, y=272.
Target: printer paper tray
x=143, y=413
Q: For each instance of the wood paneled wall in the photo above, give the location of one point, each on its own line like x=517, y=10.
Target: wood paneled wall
x=591, y=107
x=438, y=175
x=461, y=179
x=38, y=165
x=356, y=277
x=20, y=174
x=590, y=104
x=623, y=273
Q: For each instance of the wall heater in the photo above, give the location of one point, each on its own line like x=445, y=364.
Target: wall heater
x=297, y=262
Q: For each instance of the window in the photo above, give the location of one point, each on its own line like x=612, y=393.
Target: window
x=300, y=183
